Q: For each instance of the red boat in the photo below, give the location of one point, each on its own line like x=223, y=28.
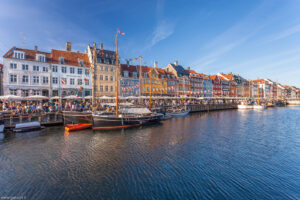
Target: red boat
x=76, y=127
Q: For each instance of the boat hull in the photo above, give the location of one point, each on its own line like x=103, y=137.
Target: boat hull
x=178, y=114
x=74, y=117
x=245, y=106
x=77, y=127
x=259, y=107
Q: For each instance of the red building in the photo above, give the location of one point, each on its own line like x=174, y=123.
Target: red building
x=217, y=86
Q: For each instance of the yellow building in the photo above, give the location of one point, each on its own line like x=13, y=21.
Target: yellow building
x=154, y=81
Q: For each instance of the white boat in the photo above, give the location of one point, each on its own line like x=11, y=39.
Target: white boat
x=259, y=107
x=28, y=126
x=244, y=106
x=178, y=113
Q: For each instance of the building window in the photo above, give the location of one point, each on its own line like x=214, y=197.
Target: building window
x=111, y=88
x=36, y=92
x=36, y=68
x=45, y=80
x=106, y=88
x=81, y=63
x=106, y=68
x=13, y=91
x=101, y=88
x=87, y=72
x=45, y=69
x=24, y=67
x=36, y=79
x=111, y=69
x=145, y=75
x=41, y=58
x=13, y=78
x=25, y=79
x=101, y=68
x=72, y=81
x=54, y=68
x=54, y=80
x=87, y=82
x=111, y=78
x=106, y=78
x=19, y=55
x=79, y=81
x=79, y=70
x=25, y=93
x=63, y=69
x=13, y=66
x=72, y=70
x=125, y=73
x=62, y=60
x=101, y=77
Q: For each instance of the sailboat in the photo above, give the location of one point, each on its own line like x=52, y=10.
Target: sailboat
x=258, y=106
x=244, y=104
x=127, y=117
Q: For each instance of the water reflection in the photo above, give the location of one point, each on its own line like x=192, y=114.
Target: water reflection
x=216, y=155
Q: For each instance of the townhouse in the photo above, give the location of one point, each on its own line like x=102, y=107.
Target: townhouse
x=217, y=86
x=32, y=72
x=103, y=70
x=129, y=80
x=26, y=72
x=196, y=82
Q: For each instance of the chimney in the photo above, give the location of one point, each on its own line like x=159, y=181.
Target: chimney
x=101, y=46
x=36, y=48
x=176, y=63
x=155, y=64
x=127, y=61
x=188, y=68
x=94, y=45
x=68, y=46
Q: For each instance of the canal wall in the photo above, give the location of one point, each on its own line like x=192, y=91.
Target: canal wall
x=211, y=107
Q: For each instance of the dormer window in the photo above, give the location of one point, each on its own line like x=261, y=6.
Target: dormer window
x=19, y=55
x=61, y=60
x=81, y=63
x=40, y=58
x=125, y=73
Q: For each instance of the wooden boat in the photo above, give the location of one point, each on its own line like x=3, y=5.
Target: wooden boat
x=76, y=117
x=29, y=126
x=77, y=127
x=129, y=117
x=178, y=113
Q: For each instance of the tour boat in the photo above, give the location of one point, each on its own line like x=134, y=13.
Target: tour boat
x=76, y=117
x=77, y=127
x=178, y=113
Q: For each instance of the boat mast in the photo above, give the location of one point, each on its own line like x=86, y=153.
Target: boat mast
x=60, y=106
x=117, y=77
x=150, y=73
x=140, y=79
x=94, y=57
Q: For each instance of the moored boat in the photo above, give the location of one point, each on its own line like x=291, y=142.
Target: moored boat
x=259, y=107
x=76, y=127
x=178, y=112
x=76, y=117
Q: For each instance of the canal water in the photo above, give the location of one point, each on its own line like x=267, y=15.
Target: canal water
x=217, y=155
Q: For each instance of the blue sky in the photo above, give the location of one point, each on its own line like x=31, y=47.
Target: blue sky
x=254, y=38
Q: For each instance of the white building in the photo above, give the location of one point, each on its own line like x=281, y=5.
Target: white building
x=32, y=72
x=26, y=72
x=71, y=72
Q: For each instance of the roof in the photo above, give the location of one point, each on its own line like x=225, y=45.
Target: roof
x=29, y=54
x=180, y=70
x=71, y=58
x=191, y=72
x=129, y=68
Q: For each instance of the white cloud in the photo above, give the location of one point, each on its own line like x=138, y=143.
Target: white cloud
x=286, y=33
x=162, y=31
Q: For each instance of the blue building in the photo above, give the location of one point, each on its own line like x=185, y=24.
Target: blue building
x=129, y=81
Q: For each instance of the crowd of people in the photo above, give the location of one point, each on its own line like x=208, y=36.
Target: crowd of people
x=29, y=107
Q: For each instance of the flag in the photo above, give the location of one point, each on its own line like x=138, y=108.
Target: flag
x=120, y=32
x=63, y=82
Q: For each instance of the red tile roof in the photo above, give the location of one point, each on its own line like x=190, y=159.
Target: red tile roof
x=29, y=54
x=71, y=58
x=191, y=72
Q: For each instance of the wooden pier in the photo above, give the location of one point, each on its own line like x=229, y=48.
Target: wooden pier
x=46, y=119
